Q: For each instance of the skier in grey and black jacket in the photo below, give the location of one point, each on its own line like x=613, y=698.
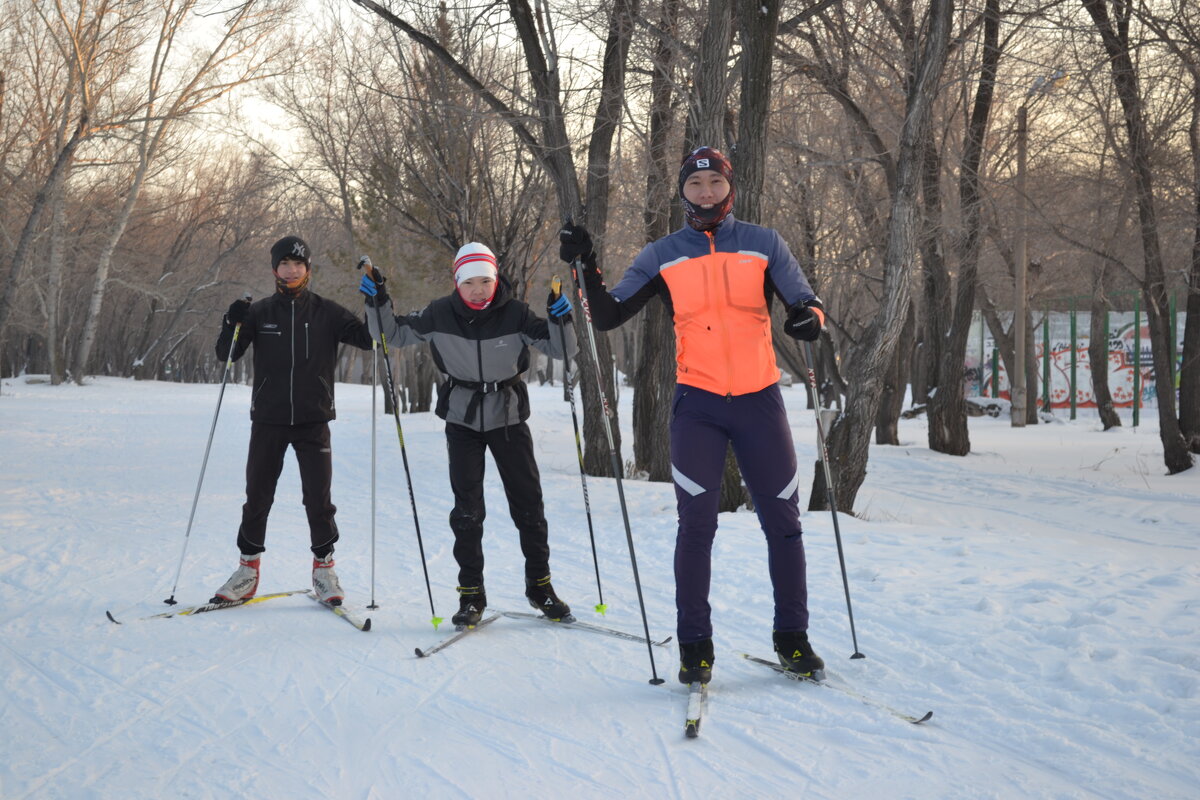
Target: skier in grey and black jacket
x=480, y=337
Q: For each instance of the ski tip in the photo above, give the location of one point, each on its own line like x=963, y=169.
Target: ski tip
x=692, y=730
x=366, y=625
x=928, y=715
x=111, y=618
x=420, y=653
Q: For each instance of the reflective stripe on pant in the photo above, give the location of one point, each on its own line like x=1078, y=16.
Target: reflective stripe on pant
x=512, y=450
x=268, y=445
x=702, y=424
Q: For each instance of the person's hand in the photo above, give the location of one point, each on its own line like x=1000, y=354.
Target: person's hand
x=804, y=321
x=558, y=308
x=575, y=242
x=373, y=288
x=239, y=311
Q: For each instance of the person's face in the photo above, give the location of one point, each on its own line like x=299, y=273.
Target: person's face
x=705, y=188
x=291, y=269
x=477, y=289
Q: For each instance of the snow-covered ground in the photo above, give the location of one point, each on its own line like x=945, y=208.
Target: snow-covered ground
x=1041, y=596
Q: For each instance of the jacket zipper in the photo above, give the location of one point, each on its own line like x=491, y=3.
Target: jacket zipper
x=292, y=372
x=482, y=401
x=712, y=249
x=306, y=355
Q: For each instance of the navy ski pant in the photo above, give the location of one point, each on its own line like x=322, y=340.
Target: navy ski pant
x=268, y=446
x=702, y=425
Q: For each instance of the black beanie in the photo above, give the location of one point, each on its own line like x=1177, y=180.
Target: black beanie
x=289, y=247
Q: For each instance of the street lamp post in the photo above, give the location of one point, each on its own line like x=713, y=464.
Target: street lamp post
x=1019, y=390
x=1018, y=384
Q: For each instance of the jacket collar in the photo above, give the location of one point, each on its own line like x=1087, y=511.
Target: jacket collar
x=723, y=230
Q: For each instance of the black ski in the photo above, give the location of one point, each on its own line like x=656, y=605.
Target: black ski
x=459, y=634
x=206, y=607
x=571, y=622
x=357, y=620
x=697, y=705
x=843, y=689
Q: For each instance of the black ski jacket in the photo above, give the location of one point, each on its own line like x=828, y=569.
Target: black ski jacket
x=295, y=351
x=481, y=354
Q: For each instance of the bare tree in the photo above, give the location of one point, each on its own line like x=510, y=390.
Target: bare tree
x=94, y=46
x=1114, y=33
x=869, y=358
x=550, y=145
x=241, y=54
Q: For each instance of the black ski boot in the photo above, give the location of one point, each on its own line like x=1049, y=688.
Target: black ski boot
x=542, y=597
x=695, y=661
x=796, y=654
x=471, y=602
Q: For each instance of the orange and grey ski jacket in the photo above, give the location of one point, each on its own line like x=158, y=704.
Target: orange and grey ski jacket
x=717, y=286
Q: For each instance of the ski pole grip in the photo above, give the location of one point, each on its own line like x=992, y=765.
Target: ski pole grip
x=556, y=286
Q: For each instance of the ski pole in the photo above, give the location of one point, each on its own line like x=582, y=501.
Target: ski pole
x=365, y=263
x=374, y=387
x=616, y=460
x=810, y=365
x=204, y=463
x=569, y=396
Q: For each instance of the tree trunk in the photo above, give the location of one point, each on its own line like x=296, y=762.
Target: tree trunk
x=849, y=440
x=54, y=276
x=654, y=381
x=1176, y=453
x=758, y=25
x=948, y=430
x=1189, y=370
x=58, y=174
x=887, y=422
x=1098, y=354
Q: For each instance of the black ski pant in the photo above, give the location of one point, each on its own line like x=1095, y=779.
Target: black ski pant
x=268, y=445
x=512, y=450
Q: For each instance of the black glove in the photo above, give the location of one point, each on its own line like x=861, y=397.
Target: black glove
x=575, y=242
x=239, y=312
x=373, y=288
x=804, y=321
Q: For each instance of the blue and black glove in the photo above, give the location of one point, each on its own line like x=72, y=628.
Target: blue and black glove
x=558, y=308
x=373, y=288
x=804, y=321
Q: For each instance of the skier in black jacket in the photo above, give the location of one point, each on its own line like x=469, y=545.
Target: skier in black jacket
x=296, y=334
x=480, y=337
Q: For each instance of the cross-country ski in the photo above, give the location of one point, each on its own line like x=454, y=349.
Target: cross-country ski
x=204, y=608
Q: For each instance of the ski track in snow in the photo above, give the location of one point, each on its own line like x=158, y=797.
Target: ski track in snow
x=1040, y=595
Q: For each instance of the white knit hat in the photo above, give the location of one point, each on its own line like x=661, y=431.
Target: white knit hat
x=474, y=260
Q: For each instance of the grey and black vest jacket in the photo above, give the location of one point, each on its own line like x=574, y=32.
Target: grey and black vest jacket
x=481, y=354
